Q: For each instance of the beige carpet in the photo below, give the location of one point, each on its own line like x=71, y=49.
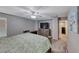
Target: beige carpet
x=59, y=46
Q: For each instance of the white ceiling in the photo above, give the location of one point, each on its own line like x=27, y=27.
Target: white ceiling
x=41, y=12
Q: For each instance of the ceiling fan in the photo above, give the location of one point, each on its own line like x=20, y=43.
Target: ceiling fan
x=33, y=13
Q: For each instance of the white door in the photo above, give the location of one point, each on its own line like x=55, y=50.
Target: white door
x=3, y=27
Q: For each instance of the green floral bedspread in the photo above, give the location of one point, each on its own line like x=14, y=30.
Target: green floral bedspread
x=24, y=43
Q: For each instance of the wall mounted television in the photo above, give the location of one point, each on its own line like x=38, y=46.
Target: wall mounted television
x=44, y=25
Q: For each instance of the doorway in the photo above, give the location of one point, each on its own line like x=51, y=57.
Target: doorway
x=63, y=29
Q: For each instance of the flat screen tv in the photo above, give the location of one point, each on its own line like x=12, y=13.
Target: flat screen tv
x=44, y=25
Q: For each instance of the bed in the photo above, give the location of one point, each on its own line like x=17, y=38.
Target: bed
x=24, y=43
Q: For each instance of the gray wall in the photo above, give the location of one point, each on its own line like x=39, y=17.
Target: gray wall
x=16, y=25
x=73, y=41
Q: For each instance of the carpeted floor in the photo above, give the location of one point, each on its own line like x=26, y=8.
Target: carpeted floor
x=59, y=46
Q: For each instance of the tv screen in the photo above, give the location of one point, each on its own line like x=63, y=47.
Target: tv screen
x=44, y=25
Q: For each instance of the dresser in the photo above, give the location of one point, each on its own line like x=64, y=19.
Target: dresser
x=45, y=32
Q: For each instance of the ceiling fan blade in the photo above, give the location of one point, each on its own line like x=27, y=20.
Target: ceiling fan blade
x=24, y=7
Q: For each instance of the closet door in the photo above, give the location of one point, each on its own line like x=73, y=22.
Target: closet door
x=3, y=27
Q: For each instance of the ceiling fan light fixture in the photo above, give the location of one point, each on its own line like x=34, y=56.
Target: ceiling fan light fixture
x=33, y=16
